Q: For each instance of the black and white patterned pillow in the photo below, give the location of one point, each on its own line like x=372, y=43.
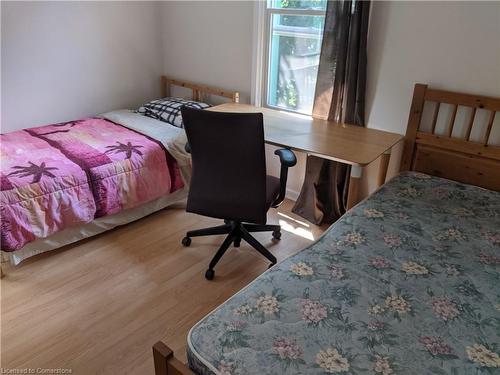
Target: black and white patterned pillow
x=169, y=109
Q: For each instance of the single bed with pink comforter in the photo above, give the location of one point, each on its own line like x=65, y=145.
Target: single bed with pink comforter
x=63, y=175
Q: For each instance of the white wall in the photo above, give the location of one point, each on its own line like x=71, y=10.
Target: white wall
x=449, y=45
x=66, y=60
x=209, y=42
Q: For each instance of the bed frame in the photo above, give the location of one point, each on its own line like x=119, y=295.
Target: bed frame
x=447, y=155
x=166, y=363
x=198, y=91
x=444, y=155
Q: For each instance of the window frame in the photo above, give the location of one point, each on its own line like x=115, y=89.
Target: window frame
x=262, y=54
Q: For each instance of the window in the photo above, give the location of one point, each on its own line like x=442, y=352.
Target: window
x=293, y=31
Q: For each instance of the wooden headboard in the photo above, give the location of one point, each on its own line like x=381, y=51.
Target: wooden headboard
x=451, y=152
x=198, y=90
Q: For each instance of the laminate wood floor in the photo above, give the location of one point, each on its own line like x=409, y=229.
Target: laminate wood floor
x=98, y=306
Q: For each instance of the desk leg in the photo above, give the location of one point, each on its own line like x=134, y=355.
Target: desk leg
x=382, y=170
x=354, y=180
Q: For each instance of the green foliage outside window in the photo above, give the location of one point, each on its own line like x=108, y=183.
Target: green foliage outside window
x=293, y=49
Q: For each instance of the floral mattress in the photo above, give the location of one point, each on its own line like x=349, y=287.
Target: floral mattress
x=408, y=282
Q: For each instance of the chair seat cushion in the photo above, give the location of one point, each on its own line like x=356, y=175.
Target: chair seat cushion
x=272, y=189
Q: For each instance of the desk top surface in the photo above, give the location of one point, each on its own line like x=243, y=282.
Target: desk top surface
x=349, y=144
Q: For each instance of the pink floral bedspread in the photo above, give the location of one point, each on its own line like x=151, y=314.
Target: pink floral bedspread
x=62, y=175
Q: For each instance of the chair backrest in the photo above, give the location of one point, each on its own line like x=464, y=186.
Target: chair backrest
x=229, y=165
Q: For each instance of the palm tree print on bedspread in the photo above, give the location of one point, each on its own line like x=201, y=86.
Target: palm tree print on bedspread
x=128, y=148
x=69, y=124
x=37, y=171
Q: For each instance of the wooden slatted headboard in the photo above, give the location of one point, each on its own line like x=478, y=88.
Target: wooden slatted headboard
x=447, y=154
x=198, y=90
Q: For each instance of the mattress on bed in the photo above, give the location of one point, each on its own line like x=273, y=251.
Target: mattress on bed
x=64, y=175
x=408, y=282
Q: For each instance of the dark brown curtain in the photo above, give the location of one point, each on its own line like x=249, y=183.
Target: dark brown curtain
x=340, y=97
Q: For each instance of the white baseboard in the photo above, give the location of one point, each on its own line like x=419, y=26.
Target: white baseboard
x=292, y=194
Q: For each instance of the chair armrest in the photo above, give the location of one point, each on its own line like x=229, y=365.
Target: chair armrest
x=287, y=159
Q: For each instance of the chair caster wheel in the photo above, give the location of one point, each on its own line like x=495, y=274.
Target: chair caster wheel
x=209, y=275
x=237, y=242
x=186, y=241
x=277, y=235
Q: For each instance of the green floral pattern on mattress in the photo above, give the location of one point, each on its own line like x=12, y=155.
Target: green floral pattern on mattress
x=408, y=282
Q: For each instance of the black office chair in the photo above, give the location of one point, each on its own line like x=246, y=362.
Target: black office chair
x=229, y=179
